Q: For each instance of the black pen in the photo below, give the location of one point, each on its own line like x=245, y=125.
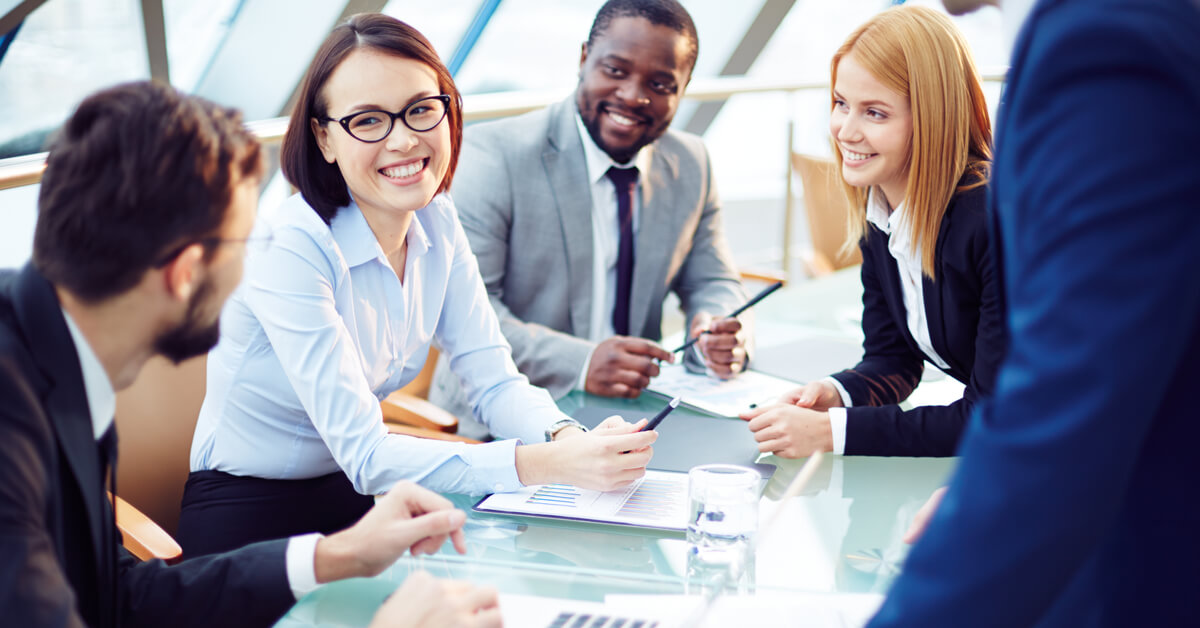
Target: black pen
x=662, y=414
x=749, y=304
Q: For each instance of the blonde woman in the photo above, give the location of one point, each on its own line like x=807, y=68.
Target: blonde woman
x=913, y=142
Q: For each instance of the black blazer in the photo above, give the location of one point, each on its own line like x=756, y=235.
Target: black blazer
x=60, y=560
x=964, y=309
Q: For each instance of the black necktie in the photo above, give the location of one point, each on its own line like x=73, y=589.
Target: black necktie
x=108, y=475
x=625, y=180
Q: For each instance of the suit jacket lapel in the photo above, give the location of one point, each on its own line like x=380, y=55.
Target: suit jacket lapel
x=657, y=236
x=41, y=320
x=935, y=301
x=567, y=174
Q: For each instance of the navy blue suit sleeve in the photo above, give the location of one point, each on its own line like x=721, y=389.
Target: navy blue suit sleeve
x=890, y=430
x=1097, y=192
x=890, y=368
x=246, y=587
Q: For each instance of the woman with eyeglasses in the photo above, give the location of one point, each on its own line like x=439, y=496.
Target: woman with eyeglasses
x=367, y=267
x=913, y=143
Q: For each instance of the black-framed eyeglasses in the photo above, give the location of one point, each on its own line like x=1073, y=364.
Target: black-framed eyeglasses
x=253, y=243
x=374, y=125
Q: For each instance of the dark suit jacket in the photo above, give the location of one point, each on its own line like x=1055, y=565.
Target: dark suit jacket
x=1075, y=503
x=60, y=564
x=963, y=309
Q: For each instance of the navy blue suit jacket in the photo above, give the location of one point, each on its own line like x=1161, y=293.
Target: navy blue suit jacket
x=59, y=560
x=1075, y=500
x=964, y=313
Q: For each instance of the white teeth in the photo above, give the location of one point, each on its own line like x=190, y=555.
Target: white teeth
x=404, y=171
x=622, y=120
x=853, y=156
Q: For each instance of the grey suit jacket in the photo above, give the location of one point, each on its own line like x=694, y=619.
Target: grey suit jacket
x=523, y=194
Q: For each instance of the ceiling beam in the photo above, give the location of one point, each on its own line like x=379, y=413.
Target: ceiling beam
x=17, y=13
x=155, y=29
x=754, y=40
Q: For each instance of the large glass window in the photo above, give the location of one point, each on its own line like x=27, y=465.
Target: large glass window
x=65, y=50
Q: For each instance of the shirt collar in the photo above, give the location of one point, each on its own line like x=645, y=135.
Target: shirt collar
x=898, y=230
x=101, y=398
x=877, y=213
x=598, y=162
x=358, y=243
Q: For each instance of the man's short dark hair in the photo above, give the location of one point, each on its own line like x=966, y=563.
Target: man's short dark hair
x=659, y=12
x=137, y=171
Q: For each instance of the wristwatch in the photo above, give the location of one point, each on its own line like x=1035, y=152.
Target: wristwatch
x=560, y=425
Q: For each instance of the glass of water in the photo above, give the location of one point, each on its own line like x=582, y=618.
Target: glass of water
x=723, y=516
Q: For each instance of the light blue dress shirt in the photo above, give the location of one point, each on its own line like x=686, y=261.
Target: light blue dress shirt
x=321, y=329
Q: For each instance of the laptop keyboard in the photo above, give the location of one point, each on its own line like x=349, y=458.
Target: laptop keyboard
x=569, y=619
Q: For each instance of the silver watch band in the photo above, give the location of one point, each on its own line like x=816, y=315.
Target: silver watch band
x=560, y=425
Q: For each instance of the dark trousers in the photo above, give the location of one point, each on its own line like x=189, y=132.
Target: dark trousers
x=222, y=512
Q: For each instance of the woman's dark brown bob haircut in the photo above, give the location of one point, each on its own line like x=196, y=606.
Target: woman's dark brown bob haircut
x=320, y=182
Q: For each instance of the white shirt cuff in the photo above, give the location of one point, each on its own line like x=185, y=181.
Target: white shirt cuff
x=301, y=563
x=847, y=402
x=837, y=424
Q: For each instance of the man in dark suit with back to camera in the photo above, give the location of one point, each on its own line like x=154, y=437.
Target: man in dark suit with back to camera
x=584, y=215
x=144, y=217
x=1075, y=501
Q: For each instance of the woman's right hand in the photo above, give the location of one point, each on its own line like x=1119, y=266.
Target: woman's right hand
x=819, y=395
x=611, y=456
x=426, y=601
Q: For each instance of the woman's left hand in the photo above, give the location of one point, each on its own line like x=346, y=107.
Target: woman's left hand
x=789, y=431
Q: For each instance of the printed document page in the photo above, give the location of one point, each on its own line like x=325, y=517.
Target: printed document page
x=726, y=397
x=657, y=500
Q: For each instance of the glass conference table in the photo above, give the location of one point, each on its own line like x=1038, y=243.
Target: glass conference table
x=843, y=534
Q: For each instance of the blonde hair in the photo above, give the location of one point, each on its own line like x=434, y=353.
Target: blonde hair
x=919, y=53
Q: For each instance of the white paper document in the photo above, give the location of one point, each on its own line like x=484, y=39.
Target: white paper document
x=724, y=397
x=657, y=500
x=810, y=610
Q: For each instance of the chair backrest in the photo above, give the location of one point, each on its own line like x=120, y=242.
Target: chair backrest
x=419, y=386
x=826, y=206
x=155, y=419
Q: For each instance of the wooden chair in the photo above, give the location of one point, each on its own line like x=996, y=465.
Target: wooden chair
x=141, y=536
x=408, y=410
x=826, y=206
x=763, y=275
x=156, y=417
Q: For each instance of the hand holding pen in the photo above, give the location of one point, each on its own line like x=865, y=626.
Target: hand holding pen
x=724, y=349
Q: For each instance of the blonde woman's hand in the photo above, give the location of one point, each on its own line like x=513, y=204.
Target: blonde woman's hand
x=819, y=395
x=789, y=431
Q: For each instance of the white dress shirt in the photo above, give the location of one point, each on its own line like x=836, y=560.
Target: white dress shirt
x=908, y=263
x=102, y=405
x=606, y=233
x=606, y=227
x=321, y=329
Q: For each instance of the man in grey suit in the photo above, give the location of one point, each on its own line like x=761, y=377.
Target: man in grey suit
x=585, y=214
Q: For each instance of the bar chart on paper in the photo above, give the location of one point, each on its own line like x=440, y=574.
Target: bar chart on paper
x=658, y=500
